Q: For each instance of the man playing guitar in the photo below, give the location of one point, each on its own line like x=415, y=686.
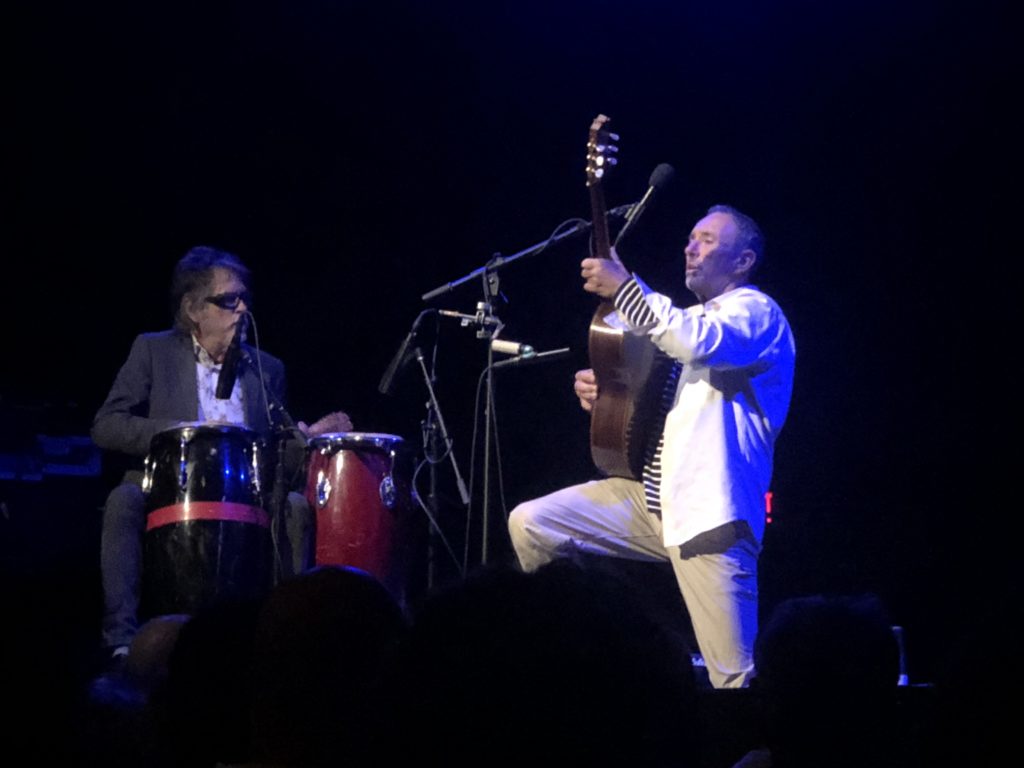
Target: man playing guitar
x=708, y=462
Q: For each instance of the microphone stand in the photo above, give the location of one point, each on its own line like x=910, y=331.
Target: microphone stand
x=489, y=326
x=431, y=447
x=498, y=261
x=281, y=424
x=434, y=410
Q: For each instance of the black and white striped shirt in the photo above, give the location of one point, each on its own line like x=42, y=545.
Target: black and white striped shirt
x=629, y=300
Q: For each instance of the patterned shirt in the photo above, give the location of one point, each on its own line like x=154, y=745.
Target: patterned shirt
x=212, y=408
x=629, y=300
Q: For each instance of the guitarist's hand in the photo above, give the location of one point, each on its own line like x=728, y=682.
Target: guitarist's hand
x=586, y=388
x=603, y=276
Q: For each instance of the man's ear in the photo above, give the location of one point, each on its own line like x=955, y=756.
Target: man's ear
x=191, y=309
x=746, y=261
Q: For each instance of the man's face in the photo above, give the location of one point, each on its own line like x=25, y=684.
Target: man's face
x=216, y=321
x=711, y=256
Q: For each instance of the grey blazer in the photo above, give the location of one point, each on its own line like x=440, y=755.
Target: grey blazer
x=156, y=389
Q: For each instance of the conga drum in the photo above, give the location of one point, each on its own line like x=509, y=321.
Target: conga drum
x=207, y=535
x=359, y=486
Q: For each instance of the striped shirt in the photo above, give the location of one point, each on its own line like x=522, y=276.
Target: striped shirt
x=629, y=300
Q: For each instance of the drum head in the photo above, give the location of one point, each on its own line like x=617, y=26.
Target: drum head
x=205, y=462
x=189, y=429
x=335, y=441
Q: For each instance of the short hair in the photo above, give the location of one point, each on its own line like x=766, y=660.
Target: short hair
x=748, y=234
x=193, y=274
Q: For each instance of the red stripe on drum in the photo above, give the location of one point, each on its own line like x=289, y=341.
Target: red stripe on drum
x=229, y=511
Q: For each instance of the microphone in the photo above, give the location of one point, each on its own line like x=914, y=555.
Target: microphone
x=660, y=178
x=229, y=368
x=539, y=357
x=512, y=348
x=404, y=354
x=479, y=318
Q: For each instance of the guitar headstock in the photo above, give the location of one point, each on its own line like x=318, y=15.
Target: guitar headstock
x=601, y=150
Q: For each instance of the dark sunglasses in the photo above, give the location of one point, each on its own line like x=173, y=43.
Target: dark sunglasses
x=230, y=300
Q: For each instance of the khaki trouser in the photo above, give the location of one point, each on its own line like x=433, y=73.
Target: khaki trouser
x=716, y=571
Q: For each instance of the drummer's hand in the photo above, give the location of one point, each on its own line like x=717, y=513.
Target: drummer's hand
x=585, y=387
x=338, y=421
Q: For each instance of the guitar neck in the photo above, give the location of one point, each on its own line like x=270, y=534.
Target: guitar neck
x=599, y=219
x=599, y=159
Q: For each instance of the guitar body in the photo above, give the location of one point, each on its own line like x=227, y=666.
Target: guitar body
x=631, y=372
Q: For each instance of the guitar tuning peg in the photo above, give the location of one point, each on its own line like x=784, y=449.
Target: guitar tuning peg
x=611, y=161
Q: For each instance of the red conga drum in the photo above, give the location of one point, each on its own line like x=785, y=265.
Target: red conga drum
x=359, y=486
x=207, y=527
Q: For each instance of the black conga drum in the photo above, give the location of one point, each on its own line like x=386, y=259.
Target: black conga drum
x=208, y=533
x=359, y=486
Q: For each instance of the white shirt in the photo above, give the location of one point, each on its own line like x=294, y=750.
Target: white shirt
x=738, y=356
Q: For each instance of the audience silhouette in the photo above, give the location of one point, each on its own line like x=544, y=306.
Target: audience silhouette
x=204, y=710
x=827, y=682
x=554, y=666
x=321, y=642
x=120, y=723
x=502, y=667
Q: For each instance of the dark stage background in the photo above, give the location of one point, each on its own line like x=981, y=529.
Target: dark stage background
x=359, y=155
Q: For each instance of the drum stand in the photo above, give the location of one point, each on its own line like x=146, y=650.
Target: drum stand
x=281, y=427
x=278, y=495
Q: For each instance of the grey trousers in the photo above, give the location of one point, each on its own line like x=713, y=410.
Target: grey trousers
x=716, y=571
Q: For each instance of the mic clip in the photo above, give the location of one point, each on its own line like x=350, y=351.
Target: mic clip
x=486, y=323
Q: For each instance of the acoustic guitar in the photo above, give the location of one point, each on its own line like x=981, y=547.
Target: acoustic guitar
x=629, y=369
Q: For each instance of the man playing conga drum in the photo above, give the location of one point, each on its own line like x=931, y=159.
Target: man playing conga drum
x=171, y=377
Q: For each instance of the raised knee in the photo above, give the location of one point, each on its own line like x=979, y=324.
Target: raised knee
x=519, y=518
